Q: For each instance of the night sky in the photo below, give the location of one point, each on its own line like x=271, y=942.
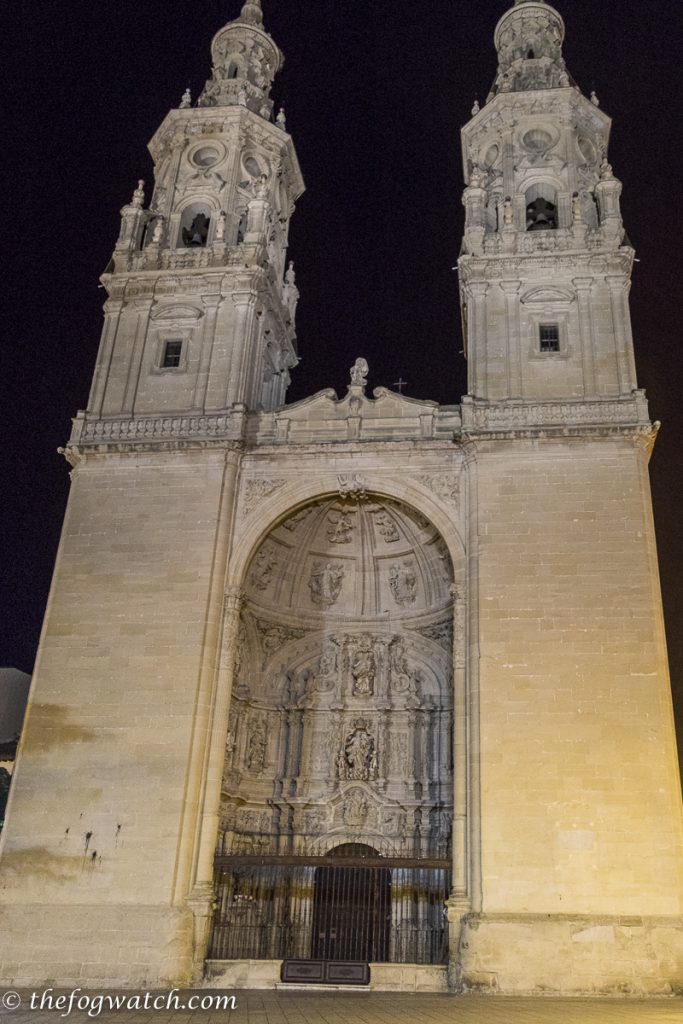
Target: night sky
x=376, y=93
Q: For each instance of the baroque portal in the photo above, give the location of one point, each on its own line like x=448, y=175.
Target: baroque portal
x=341, y=723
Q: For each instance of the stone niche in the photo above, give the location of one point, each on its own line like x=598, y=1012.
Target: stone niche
x=341, y=720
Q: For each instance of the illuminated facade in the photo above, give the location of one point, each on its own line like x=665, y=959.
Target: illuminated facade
x=360, y=666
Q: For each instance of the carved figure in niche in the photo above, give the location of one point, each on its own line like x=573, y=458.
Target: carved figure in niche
x=256, y=745
x=403, y=583
x=508, y=212
x=363, y=668
x=386, y=526
x=359, y=372
x=356, y=808
x=444, y=834
x=358, y=756
x=325, y=584
x=262, y=573
x=326, y=677
x=340, y=529
x=402, y=679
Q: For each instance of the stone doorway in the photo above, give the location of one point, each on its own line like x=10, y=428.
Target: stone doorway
x=341, y=736
x=351, y=908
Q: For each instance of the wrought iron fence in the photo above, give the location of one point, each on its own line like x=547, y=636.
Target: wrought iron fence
x=351, y=907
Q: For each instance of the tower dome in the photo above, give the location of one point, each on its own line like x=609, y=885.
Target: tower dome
x=245, y=62
x=529, y=40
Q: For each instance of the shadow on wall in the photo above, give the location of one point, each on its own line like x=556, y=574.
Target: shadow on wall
x=14, y=687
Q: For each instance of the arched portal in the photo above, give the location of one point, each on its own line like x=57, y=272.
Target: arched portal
x=351, y=907
x=340, y=732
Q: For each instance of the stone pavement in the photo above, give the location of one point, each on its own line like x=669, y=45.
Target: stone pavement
x=296, y=1007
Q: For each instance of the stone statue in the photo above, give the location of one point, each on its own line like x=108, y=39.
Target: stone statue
x=358, y=757
x=281, y=120
x=476, y=108
x=577, y=209
x=256, y=749
x=594, y=99
x=139, y=195
x=158, y=231
x=325, y=584
x=363, y=669
x=508, y=212
x=359, y=372
x=220, y=226
x=186, y=101
x=260, y=187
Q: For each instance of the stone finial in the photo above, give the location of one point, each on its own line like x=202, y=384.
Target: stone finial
x=138, y=199
x=594, y=99
x=281, y=119
x=359, y=372
x=186, y=100
x=606, y=170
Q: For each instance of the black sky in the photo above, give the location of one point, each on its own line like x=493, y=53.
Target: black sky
x=375, y=92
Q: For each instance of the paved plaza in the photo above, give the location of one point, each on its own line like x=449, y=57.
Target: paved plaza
x=296, y=1007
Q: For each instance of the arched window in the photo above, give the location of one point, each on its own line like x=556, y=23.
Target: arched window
x=541, y=208
x=194, y=226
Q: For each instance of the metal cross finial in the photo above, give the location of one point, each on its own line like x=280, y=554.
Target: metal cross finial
x=400, y=384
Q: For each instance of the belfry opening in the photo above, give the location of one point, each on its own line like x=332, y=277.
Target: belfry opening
x=337, y=795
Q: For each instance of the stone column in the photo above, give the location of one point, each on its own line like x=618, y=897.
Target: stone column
x=244, y=299
x=200, y=820
x=626, y=371
x=583, y=287
x=142, y=308
x=514, y=363
x=476, y=347
x=112, y=319
x=211, y=304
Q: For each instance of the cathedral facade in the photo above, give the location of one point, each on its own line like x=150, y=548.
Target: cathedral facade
x=362, y=682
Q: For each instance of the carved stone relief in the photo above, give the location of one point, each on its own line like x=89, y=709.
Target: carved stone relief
x=340, y=527
x=325, y=583
x=386, y=526
x=273, y=637
x=256, y=490
x=445, y=485
x=265, y=564
x=357, y=759
x=403, y=583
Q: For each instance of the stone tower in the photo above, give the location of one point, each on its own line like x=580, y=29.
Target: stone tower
x=284, y=637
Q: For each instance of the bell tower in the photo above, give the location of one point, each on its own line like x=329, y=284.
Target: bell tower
x=545, y=265
x=200, y=316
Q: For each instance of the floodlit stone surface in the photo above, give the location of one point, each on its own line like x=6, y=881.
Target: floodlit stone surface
x=434, y=632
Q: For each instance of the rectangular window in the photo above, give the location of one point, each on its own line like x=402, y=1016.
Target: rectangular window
x=172, y=351
x=549, y=338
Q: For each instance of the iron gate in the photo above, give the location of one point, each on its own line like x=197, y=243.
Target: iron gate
x=349, y=907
